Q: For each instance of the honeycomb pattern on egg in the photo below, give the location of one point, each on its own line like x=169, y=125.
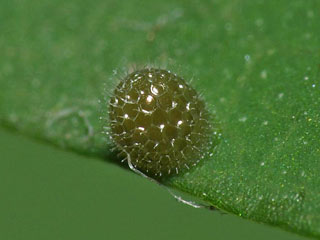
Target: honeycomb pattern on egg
x=158, y=119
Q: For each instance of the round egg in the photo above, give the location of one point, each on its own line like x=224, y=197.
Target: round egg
x=159, y=122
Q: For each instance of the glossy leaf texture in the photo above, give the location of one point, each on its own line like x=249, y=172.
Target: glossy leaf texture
x=257, y=64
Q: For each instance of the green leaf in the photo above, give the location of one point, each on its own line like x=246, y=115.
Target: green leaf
x=256, y=62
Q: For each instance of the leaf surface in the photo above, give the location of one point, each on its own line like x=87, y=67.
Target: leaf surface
x=256, y=63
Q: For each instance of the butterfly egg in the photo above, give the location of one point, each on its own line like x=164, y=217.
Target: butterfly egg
x=160, y=122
